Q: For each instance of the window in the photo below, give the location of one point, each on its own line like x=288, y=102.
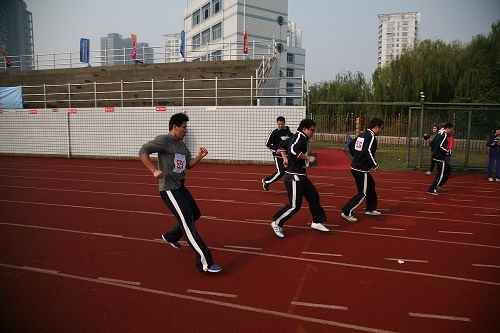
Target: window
x=290, y=88
x=196, y=18
x=290, y=58
x=206, y=11
x=217, y=31
x=217, y=55
x=196, y=41
x=216, y=6
x=289, y=72
x=205, y=37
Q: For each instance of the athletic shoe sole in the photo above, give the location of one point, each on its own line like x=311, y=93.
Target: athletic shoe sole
x=348, y=218
x=175, y=245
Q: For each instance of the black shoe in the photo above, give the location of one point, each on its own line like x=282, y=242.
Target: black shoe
x=175, y=245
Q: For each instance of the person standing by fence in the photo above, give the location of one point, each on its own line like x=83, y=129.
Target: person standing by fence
x=429, y=138
x=494, y=156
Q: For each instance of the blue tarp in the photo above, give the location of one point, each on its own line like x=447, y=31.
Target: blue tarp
x=11, y=98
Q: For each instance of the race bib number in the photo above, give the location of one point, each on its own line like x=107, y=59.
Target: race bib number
x=359, y=144
x=179, y=163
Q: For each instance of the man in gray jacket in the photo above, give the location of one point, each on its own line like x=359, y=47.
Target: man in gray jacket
x=173, y=160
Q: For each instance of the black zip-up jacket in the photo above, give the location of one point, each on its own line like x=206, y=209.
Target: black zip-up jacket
x=493, y=144
x=297, y=148
x=440, y=146
x=278, y=139
x=363, y=151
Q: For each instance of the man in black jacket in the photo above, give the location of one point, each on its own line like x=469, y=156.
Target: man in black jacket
x=297, y=184
x=441, y=154
x=363, y=150
x=494, y=156
x=276, y=142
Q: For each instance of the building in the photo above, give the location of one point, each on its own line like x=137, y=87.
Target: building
x=16, y=34
x=215, y=31
x=396, y=33
x=116, y=50
x=172, y=47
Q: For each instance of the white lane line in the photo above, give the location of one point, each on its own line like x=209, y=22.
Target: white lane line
x=393, y=229
x=455, y=232
x=434, y=316
x=41, y=270
x=487, y=215
x=211, y=293
x=322, y=254
x=461, y=200
x=323, y=306
x=133, y=283
x=486, y=266
x=218, y=303
x=244, y=247
x=408, y=260
x=301, y=259
x=428, y=212
x=106, y=235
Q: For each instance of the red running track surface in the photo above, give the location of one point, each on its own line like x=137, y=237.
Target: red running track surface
x=79, y=252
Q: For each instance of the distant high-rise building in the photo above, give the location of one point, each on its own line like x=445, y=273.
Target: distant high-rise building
x=172, y=47
x=116, y=50
x=16, y=33
x=397, y=32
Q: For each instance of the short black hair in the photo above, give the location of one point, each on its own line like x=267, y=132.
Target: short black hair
x=280, y=118
x=447, y=125
x=177, y=119
x=306, y=123
x=376, y=122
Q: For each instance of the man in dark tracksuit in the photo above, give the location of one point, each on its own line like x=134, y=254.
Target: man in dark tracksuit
x=297, y=184
x=173, y=159
x=441, y=154
x=494, y=156
x=363, y=150
x=276, y=142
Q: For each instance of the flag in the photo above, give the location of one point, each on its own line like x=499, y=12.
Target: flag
x=84, y=50
x=245, y=42
x=182, y=49
x=133, y=54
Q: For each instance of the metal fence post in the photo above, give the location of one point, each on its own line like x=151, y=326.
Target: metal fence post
x=95, y=94
x=302, y=85
x=467, y=145
x=420, y=134
x=21, y=63
x=408, y=138
x=69, y=94
x=216, y=91
x=44, y=96
x=183, y=91
x=70, y=59
x=253, y=49
x=251, y=91
x=121, y=94
x=152, y=92
x=124, y=56
x=54, y=60
x=37, y=63
x=5, y=63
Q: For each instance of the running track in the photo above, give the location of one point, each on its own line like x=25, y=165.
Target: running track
x=79, y=252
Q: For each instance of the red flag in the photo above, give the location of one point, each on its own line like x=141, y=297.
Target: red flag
x=133, y=54
x=245, y=42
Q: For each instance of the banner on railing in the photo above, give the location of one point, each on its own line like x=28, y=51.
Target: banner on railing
x=133, y=54
x=84, y=50
x=11, y=97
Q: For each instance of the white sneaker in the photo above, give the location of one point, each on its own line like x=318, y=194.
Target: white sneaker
x=373, y=212
x=490, y=179
x=278, y=231
x=348, y=218
x=428, y=173
x=497, y=180
x=319, y=227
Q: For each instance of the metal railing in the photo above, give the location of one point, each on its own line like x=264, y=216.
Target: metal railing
x=215, y=51
x=180, y=92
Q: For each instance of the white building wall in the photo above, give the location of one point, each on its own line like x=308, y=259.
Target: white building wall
x=396, y=33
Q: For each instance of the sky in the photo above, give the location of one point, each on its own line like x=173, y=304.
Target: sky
x=338, y=35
